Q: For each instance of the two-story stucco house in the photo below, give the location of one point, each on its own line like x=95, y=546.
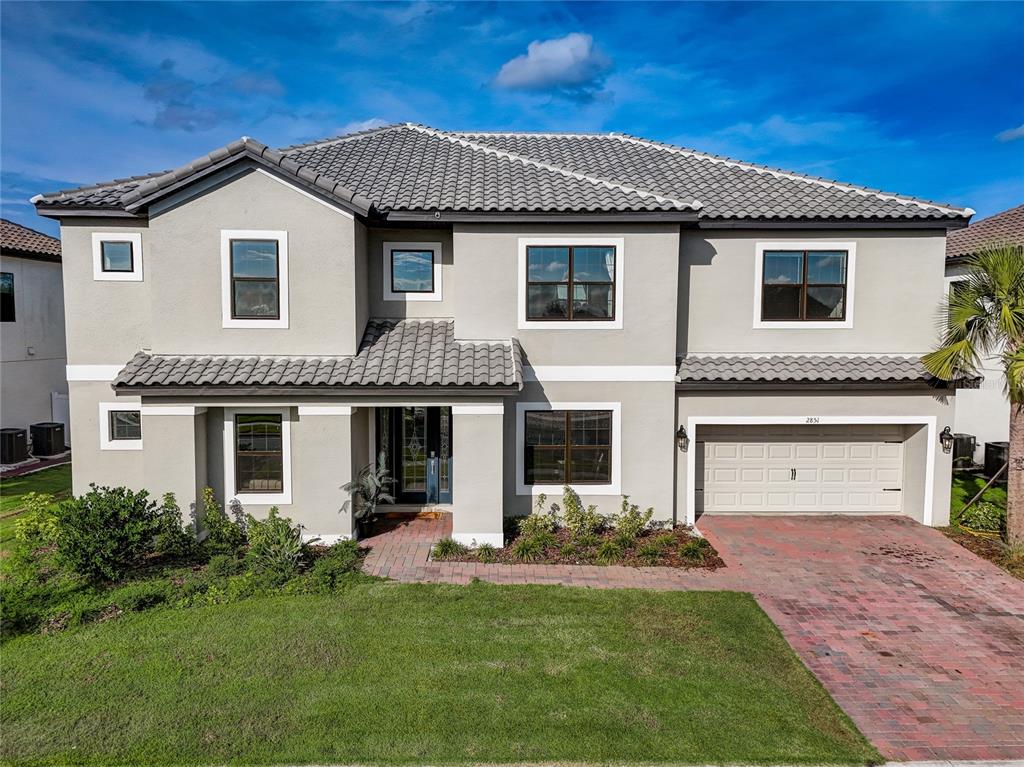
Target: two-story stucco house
x=501, y=314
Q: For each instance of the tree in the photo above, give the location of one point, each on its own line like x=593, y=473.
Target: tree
x=984, y=317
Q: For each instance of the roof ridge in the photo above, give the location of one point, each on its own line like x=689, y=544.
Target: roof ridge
x=341, y=137
x=780, y=173
x=693, y=205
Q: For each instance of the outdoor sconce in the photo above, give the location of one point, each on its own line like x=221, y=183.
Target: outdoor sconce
x=682, y=439
x=946, y=438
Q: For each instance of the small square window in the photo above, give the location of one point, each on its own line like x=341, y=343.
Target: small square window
x=6, y=297
x=117, y=256
x=125, y=424
x=412, y=271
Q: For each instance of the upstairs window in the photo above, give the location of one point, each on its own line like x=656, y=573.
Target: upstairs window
x=570, y=283
x=6, y=297
x=117, y=256
x=804, y=286
x=255, y=280
x=412, y=271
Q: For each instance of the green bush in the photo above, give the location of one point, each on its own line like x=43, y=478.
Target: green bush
x=104, y=532
x=609, y=552
x=447, y=548
x=663, y=540
x=695, y=549
x=579, y=521
x=569, y=550
x=223, y=565
x=173, y=539
x=486, y=553
x=36, y=526
x=630, y=522
x=335, y=565
x=984, y=516
x=587, y=541
x=539, y=520
x=223, y=534
x=527, y=549
x=650, y=552
x=275, y=546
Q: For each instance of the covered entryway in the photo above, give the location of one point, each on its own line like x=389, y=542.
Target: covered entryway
x=800, y=468
x=417, y=445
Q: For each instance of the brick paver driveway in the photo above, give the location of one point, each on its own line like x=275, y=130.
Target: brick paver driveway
x=919, y=641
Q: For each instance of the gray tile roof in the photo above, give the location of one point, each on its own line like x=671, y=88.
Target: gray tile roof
x=415, y=168
x=1006, y=228
x=786, y=368
x=20, y=240
x=393, y=353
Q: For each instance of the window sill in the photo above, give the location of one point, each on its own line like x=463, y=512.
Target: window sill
x=615, y=324
x=263, y=499
x=801, y=325
x=611, y=488
x=232, y=323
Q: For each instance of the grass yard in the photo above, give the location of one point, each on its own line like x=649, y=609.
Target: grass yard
x=966, y=486
x=55, y=481
x=990, y=547
x=394, y=673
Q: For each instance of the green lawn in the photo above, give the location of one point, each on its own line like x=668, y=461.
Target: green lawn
x=391, y=673
x=56, y=481
x=966, y=486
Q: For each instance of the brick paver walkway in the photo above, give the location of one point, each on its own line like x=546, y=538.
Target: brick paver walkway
x=917, y=639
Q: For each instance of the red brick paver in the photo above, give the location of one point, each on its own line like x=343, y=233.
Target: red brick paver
x=918, y=640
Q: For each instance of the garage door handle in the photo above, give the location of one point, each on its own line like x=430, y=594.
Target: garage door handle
x=792, y=474
x=892, y=489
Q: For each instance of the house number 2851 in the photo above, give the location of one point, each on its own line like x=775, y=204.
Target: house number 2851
x=813, y=419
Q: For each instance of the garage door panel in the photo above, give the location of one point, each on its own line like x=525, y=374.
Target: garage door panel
x=795, y=468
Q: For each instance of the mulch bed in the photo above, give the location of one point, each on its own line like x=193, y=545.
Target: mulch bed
x=670, y=555
x=986, y=548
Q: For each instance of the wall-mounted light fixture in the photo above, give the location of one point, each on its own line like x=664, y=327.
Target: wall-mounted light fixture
x=946, y=439
x=682, y=439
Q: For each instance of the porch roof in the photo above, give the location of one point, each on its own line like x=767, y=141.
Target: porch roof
x=393, y=354
x=762, y=370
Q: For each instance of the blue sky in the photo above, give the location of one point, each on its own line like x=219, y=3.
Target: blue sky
x=920, y=98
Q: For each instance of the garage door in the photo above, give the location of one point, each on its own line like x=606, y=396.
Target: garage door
x=832, y=469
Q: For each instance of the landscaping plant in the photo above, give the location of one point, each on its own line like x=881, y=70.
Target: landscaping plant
x=984, y=317
x=630, y=522
x=336, y=565
x=540, y=520
x=486, y=553
x=579, y=521
x=369, y=489
x=983, y=516
x=447, y=548
x=37, y=525
x=275, y=546
x=223, y=534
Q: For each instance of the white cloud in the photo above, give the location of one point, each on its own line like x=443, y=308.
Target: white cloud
x=571, y=63
x=354, y=126
x=1011, y=134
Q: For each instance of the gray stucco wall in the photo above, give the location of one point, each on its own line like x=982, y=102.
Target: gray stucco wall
x=859, y=405
x=104, y=467
x=897, y=289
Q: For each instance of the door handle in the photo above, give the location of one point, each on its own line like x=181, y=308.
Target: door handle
x=792, y=474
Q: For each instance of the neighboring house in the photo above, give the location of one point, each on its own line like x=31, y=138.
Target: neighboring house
x=983, y=412
x=32, y=355
x=501, y=314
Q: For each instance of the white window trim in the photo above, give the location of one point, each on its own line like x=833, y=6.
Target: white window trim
x=929, y=421
x=612, y=488
x=620, y=258
x=265, y=499
x=226, y=236
x=389, y=295
x=851, y=272
x=106, y=443
x=135, y=275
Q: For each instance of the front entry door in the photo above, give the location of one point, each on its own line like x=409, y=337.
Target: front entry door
x=420, y=452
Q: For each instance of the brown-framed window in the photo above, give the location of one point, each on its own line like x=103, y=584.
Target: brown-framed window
x=412, y=271
x=804, y=285
x=7, y=297
x=255, y=280
x=259, y=456
x=568, y=447
x=117, y=256
x=125, y=424
x=570, y=282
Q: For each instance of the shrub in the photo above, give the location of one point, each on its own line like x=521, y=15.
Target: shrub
x=173, y=539
x=527, y=549
x=539, y=521
x=587, y=541
x=486, y=553
x=695, y=549
x=609, y=552
x=650, y=552
x=336, y=564
x=663, y=540
x=142, y=595
x=104, y=532
x=446, y=548
x=630, y=521
x=223, y=565
x=223, y=534
x=579, y=521
x=36, y=526
x=984, y=516
x=569, y=550
x=275, y=546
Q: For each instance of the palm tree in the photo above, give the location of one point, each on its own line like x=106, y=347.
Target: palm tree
x=984, y=317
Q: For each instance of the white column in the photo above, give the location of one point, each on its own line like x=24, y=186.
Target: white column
x=477, y=491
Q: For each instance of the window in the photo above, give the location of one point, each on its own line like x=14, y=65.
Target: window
x=254, y=280
x=259, y=453
x=574, y=283
x=568, y=447
x=116, y=256
x=125, y=424
x=254, y=275
x=801, y=285
x=6, y=297
x=412, y=271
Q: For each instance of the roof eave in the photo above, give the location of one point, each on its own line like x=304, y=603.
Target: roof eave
x=920, y=384
x=504, y=390
x=484, y=217
x=58, y=212
x=832, y=223
x=29, y=255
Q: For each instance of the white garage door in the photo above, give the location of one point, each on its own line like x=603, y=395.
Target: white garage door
x=832, y=469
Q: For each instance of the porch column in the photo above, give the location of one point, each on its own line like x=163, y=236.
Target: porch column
x=478, y=440
x=328, y=448
x=174, y=450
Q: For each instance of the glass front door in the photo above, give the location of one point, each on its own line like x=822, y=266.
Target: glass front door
x=417, y=442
